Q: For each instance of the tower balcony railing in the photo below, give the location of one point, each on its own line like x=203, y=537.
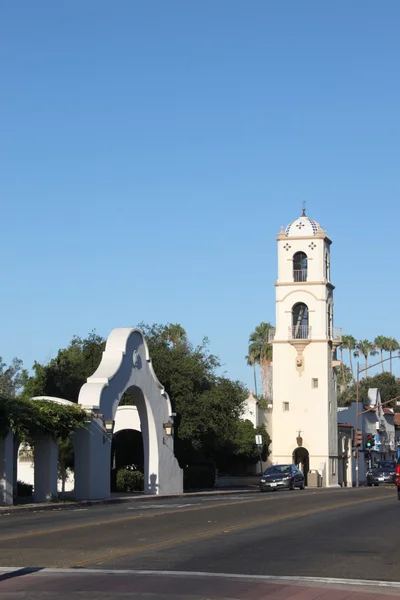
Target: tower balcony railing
x=300, y=275
x=271, y=335
x=300, y=332
x=335, y=334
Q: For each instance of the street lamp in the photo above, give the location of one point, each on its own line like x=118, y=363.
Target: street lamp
x=358, y=414
x=109, y=426
x=169, y=428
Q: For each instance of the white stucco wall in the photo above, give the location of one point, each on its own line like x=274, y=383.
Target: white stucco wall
x=126, y=365
x=127, y=417
x=251, y=411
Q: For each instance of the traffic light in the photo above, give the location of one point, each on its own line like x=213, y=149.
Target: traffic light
x=358, y=437
x=370, y=442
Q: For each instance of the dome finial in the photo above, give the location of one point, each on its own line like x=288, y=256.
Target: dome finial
x=304, y=209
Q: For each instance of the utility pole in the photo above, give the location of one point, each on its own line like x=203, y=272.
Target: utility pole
x=357, y=416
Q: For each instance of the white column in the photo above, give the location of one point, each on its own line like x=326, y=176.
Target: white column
x=7, y=469
x=46, y=467
x=92, y=450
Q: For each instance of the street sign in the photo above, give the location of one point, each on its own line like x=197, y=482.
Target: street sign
x=259, y=441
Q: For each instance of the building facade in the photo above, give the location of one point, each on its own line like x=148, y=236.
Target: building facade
x=378, y=422
x=303, y=423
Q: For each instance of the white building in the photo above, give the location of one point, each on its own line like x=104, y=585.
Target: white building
x=303, y=423
x=377, y=421
x=252, y=411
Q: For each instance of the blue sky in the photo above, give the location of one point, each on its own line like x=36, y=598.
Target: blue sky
x=150, y=152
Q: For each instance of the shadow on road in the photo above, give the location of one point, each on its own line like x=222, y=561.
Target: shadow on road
x=19, y=573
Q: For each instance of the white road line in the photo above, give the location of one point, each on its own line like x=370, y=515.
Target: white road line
x=200, y=574
x=153, y=506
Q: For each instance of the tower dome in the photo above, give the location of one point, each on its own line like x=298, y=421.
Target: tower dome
x=303, y=227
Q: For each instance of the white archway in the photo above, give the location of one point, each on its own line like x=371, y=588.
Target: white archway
x=125, y=365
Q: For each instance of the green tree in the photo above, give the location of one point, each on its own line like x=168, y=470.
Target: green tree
x=241, y=450
x=208, y=406
x=344, y=378
x=388, y=385
x=365, y=348
x=392, y=345
x=12, y=377
x=381, y=343
x=244, y=440
x=175, y=334
x=260, y=349
x=349, y=342
x=63, y=376
x=66, y=461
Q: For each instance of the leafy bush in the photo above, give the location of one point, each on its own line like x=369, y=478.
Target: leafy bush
x=24, y=489
x=130, y=481
x=199, y=476
x=27, y=418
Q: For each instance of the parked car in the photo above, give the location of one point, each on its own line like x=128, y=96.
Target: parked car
x=398, y=478
x=383, y=472
x=278, y=477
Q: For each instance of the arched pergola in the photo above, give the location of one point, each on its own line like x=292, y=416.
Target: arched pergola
x=125, y=365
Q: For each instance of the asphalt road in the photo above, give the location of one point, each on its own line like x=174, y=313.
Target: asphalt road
x=346, y=533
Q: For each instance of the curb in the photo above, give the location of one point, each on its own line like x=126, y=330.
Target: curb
x=29, y=508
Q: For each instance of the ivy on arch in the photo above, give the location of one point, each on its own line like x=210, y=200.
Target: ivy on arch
x=30, y=418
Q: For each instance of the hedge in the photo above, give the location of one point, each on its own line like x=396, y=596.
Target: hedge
x=130, y=481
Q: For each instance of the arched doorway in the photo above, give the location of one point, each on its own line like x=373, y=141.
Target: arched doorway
x=126, y=451
x=301, y=458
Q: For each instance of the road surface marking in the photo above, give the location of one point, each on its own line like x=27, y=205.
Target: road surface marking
x=333, y=581
x=218, y=531
x=152, y=506
x=125, y=519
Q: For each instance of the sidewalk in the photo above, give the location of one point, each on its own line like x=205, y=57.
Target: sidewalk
x=107, y=584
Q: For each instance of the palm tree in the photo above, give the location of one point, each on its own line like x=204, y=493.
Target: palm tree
x=344, y=378
x=380, y=342
x=175, y=334
x=260, y=349
x=252, y=363
x=365, y=348
x=342, y=365
x=349, y=342
x=391, y=346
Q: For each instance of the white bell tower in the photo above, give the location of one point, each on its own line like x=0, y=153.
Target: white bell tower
x=304, y=414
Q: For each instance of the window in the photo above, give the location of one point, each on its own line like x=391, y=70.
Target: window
x=285, y=406
x=314, y=382
x=300, y=267
x=330, y=407
x=327, y=267
x=333, y=466
x=300, y=329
